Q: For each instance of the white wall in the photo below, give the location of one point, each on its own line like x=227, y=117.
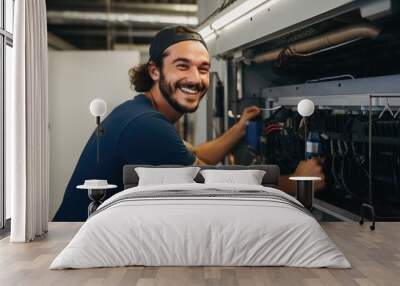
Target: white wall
x=75, y=78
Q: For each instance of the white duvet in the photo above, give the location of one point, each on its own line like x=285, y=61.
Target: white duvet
x=183, y=231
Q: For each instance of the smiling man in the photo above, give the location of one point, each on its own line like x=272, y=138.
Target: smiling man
x=141, y=130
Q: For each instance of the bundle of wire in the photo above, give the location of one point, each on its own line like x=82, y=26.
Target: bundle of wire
x=272, y=127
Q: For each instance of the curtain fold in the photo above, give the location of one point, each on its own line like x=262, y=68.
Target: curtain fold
x=28, y=144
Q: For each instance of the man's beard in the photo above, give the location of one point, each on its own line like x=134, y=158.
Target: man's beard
x=167, y=92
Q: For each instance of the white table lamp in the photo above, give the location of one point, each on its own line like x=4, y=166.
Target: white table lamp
x=305, y=108
x=98, y=108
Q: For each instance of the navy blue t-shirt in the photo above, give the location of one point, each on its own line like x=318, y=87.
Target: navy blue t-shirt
x=135, y=133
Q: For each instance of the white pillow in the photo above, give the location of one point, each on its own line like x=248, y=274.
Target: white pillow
x=248, y=177
x=164, y=176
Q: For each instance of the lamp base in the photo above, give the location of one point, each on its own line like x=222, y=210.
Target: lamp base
x=97, y=196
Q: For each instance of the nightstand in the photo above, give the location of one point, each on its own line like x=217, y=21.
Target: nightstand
x=305, y=190
x=96, y=191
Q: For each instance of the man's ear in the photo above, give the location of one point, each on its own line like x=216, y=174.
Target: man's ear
x=153, y=71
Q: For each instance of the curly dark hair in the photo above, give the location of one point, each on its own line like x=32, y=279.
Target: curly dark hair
x=139, y=77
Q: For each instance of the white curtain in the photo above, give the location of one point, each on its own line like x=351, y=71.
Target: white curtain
x=27, y=143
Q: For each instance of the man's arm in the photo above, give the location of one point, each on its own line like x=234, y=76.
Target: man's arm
x=214, y=151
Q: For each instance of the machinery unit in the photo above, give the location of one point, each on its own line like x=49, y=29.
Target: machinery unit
x=344, y=55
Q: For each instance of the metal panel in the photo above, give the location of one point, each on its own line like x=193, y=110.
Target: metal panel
x=351, y=92
x=209, y=97
x=1, y=14
x=2, y=95
x=376, y=9
x=278, y=18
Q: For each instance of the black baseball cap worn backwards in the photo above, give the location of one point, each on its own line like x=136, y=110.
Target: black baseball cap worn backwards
x=169, y=36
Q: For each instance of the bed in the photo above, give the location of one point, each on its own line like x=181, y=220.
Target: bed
x=198, y=224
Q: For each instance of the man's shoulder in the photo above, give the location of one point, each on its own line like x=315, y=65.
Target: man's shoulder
x=134, y=109
x=149, y=118
x=142, y=116
x=147, y=126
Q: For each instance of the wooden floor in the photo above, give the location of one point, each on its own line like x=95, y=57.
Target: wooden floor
x=375, y=256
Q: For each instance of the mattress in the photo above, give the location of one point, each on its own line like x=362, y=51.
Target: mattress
x=201, y=225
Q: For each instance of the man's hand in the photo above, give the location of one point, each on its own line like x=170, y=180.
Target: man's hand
x=249, y=113
x=312, y=168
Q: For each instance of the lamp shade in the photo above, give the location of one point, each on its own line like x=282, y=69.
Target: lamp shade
x=98, y=107
x=305, y=107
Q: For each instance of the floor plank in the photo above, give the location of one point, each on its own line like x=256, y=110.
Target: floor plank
x=375, y=257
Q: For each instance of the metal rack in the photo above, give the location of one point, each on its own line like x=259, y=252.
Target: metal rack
x=370, y=204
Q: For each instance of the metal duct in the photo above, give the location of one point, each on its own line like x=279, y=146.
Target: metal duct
x=101, y=18
x=321, y=42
